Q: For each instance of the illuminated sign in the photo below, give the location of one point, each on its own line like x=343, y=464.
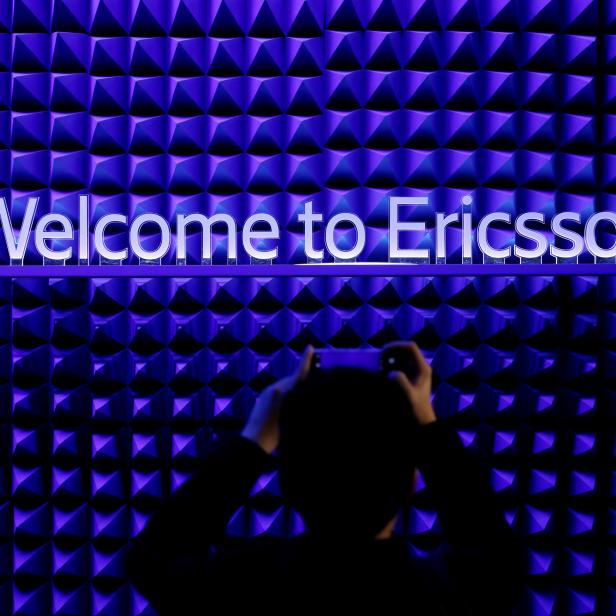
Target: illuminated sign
x=529, y=237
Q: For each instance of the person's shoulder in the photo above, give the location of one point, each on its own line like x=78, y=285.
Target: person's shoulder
x=246, y=552
x=250, y=544
x=244, y=564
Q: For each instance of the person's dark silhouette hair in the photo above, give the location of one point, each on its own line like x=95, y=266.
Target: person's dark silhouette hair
x=346, y=451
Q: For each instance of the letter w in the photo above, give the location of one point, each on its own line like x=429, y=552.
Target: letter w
x=17, y=247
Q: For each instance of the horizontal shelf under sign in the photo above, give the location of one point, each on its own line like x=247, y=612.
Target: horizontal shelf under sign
x=307, y=270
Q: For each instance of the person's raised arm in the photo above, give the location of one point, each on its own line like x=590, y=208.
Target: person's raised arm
x=485, y=562
x=167, y=561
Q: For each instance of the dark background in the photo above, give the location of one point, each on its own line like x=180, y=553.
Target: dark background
x=112, y=388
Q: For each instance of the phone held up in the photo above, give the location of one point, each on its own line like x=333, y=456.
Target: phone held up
x=389, y=359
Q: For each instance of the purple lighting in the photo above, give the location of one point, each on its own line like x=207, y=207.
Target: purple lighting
x=115, y=379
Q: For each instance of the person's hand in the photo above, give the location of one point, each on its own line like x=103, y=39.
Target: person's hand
x=262, y=426
x=419, y=389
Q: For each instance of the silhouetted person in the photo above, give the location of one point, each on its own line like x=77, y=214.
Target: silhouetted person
x=347, y=443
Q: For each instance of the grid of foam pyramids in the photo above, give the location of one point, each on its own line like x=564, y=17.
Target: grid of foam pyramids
x=110, y=389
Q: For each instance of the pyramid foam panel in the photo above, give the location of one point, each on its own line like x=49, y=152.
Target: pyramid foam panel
x=111, y=389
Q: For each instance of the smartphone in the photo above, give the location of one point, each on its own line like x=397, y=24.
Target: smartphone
x=387, y=360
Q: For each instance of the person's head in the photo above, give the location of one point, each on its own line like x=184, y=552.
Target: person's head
x=346, y=451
